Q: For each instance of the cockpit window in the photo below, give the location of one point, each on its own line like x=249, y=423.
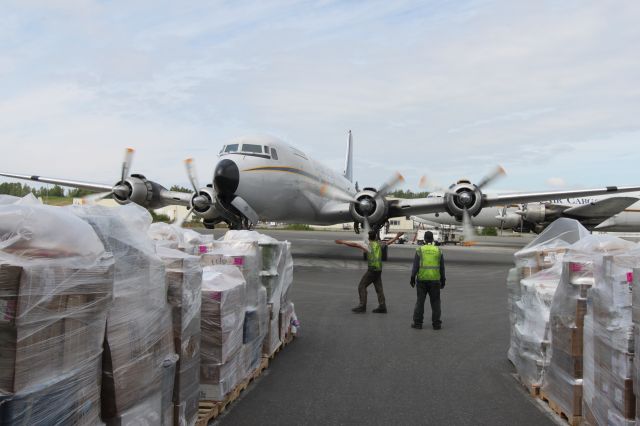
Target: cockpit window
x=266, y=149
x=247, y=147
x=274, y=154
x=231, y=148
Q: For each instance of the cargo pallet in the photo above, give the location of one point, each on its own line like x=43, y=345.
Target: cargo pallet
x=210, y=410
x=532, y=390
x=287, y=339
x=569, y=418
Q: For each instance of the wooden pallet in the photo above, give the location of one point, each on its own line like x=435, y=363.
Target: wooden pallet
x=209, y=410
x=287, y=339
x=533, y=390
x=569, y=418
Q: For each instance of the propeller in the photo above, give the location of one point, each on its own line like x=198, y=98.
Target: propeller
x=495, y=174
x=198, y=201
x=365, y=205
x=468, y=232
x=120, y=190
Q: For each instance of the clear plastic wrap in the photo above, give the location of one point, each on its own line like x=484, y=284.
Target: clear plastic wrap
x=39, y=231
x=176, y=237
x=184, y=283
x=54, y=299
x=139, y=335
x=243, y=254
x=531, y=288
x=590, y=269
x=222, y=322
x=255, y=330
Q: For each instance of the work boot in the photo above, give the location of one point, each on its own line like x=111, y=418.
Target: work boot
x=381, y=309
x=437, y=326
x=416, y=326
x=360, y=309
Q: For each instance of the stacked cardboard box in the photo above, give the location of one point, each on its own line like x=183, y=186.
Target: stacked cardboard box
x=222, y=322
x=184, y=284
x=563, y=378
x=53, y=308
x=531, y=289
x=139, y=357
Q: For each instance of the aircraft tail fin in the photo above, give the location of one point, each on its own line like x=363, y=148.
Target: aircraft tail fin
x=348, y=164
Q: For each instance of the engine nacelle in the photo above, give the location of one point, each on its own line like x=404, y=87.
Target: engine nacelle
x=534, y=213
x=374, y=207
x=208, y=210
x=134, y=189
x=463, y=196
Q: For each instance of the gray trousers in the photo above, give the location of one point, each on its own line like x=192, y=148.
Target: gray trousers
x=371, y=277
x=432, y=288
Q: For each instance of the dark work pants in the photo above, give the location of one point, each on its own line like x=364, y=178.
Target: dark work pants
x=432, y=288
x=371, y=277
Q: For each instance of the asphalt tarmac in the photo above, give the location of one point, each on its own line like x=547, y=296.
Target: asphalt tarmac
x=373, y=369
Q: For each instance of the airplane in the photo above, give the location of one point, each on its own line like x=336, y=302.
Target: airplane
x=263, y=178
x=612, y=213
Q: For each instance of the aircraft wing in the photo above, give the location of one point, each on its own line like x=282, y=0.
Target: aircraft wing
x=98, y=187
x=601, y=209
x=416, y=206
x=531, y=197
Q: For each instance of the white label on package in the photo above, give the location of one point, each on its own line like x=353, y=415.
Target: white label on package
x=221, y=259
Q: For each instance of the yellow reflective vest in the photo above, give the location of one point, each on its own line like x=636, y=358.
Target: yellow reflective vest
x=374, y=257
x=429, y=263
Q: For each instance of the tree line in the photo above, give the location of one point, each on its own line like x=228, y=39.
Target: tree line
x=20, y=190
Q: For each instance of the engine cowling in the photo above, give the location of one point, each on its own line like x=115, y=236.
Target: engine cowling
x=463, y=196
x=135, y=189
x=534, y=213
x=374, y=207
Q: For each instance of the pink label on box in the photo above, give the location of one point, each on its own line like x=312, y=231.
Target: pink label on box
x=238, y=261
x=202, y=249
x=629, y=277
x=217, y=296
x=575, y=267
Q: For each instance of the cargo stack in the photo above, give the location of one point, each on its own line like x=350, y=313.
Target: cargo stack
x=635, y=314
x=56, y=286
x=139, y=358
x=531, y=289
x=563, y=376
x=222, y=321
x=184, y=285
x=609, y=336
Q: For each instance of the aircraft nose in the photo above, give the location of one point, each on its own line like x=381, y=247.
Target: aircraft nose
x=226, y=178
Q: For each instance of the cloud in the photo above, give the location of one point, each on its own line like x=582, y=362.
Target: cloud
x=449, y=89
x=556, y=182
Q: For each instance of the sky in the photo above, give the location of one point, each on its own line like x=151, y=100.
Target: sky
x=448, y=89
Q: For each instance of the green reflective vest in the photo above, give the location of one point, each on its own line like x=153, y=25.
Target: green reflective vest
x=429, y=263
x=374, y=256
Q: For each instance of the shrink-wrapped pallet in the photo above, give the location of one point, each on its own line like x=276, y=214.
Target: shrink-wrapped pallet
x=254, y=332
x=139, y=337
x=589, y=268
x=531, y=288
x=222, y=322
x=56, y=285
x=178, y=238
x=244, y=254
x=184, y=285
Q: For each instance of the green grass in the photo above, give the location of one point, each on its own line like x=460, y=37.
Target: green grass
x=298, y=227
x=57, y=201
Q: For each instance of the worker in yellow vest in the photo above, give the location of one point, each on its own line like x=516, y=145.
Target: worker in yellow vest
x=428, y=267
x=373, y=275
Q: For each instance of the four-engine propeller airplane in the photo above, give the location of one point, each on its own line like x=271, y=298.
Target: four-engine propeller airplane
x=263, y=178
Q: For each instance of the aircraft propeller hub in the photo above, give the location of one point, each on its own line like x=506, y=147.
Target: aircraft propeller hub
x=466, y=199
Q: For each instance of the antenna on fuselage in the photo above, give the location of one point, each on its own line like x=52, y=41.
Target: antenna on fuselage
x=348, y=164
